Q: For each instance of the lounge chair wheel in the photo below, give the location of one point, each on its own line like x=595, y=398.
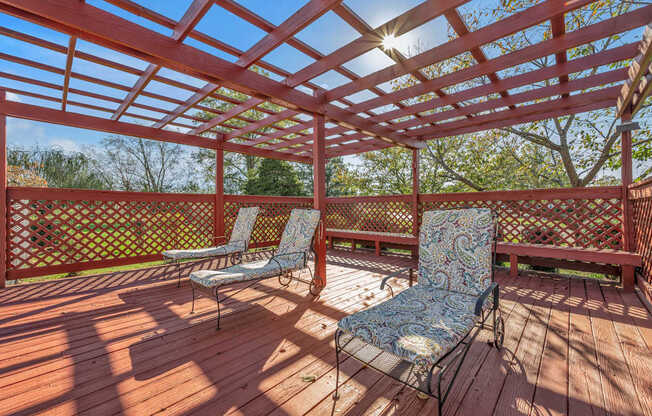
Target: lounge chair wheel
x=499, y=332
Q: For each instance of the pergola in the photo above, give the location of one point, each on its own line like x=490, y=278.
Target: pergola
x=318, y=123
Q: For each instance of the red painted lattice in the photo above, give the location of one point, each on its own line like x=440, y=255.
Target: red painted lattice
x=274, y=214
x=583, y=222
x=641, y=196
x=385, y=214
x=67, y=227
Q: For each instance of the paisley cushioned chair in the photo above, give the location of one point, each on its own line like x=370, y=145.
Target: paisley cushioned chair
x=427, y=329
x=292, y=255
x=237, y=245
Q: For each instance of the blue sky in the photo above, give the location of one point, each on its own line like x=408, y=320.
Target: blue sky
x=326, y=34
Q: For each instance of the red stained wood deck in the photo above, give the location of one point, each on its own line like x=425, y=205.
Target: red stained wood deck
x=126, y=343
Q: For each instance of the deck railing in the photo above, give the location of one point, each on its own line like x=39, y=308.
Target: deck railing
x=640, y=195
x=58, y=230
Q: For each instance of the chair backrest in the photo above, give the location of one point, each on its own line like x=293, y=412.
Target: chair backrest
x=299, y=231
x=244, y=226
x=455, y=249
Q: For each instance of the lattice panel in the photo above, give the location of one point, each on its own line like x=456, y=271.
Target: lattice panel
x=389, y=216
x=53, y=232
x=271, y=219
x=642, y=227
x=595, y=223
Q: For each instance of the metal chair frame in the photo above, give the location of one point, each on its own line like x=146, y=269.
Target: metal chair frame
x=458, y=352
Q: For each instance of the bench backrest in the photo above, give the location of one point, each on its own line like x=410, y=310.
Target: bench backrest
x=244, y=226
x=299, y=231
x=455, y=249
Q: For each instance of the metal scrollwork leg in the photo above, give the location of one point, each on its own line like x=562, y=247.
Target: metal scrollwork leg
x=178, y=272
x=217, y=300
x=336, y=394
x=499, y=329
x=193, y=299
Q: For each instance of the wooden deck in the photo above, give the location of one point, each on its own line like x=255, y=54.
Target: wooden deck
x=127, y=344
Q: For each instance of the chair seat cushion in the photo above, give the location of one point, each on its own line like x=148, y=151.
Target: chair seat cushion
x=203, y=252
x=242, y=272
x=419, y=325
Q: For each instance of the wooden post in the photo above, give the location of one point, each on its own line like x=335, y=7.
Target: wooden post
x=415, y=199
x=218, y=214
x=319, y=186
x=513, y=265
x=3, y=193
x=627, y=275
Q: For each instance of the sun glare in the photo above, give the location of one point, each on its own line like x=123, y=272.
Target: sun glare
x=389, y=42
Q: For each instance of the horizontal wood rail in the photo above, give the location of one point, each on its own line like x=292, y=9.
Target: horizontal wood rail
x=63, y=230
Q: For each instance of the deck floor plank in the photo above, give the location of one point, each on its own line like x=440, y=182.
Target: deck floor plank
x=126, y=343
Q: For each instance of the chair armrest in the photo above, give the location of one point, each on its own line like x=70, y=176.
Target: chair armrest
x=483, y=298
x=383, y=282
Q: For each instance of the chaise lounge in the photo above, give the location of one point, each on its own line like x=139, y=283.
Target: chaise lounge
x=427, y=329
x=291, y=256
x=237, y=245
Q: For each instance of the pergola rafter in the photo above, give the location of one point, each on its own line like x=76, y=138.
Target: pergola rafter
x=360, y=126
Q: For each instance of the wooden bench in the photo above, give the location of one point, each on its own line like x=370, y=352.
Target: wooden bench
x=626, y=260
x=399, y=239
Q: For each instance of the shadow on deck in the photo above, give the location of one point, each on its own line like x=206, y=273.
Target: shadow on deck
x=126, y=343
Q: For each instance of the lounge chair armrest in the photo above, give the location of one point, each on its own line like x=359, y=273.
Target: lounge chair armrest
x=383, y=282
x=241, y=243
x=485, y=295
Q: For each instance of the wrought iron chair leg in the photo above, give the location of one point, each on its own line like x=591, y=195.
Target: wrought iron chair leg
x=178, y=273
x=336, y=395
x=193, y=299
x=217, y=300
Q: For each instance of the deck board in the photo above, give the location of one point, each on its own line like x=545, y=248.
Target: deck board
x=126, y=343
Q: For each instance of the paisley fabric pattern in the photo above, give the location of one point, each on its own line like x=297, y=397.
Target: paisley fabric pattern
x=455, y=250
x=298, y=233
x=295, y=241
x=241, y=273
x=426, y=321
x=239, y=241
x=203, y=252
x=419, y=325
x=244, y=226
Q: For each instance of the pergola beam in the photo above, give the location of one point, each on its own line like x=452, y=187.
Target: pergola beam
x=587, y=34
x=519, y=21
x=265, y=122
x=576, y=65
x=47, y=115
x=195, y=12
x=72, y=44
x=229, y=114
x=639, y=84
x=398, y=26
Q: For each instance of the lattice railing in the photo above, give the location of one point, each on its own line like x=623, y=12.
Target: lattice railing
x=49, y=229
x=274, y=214
x=385, y=214
x=586, y=218
x=640, y=195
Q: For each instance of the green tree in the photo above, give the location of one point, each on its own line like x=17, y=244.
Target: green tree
x=58, y=168
x=274, y=177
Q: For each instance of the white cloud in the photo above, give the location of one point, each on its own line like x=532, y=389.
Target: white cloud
x=66, y=145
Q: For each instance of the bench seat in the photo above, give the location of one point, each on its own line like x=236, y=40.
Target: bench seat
x=375, y=236
x=627, y=261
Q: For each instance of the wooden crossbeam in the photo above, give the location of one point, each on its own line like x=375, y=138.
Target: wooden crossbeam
x=558, y=28
x=637, y=87
x=511, y=101
x=235, y=111
x=590, y=33
x=267, y=121
x=72, y=43
x=487, y=34
x=398, y=26
x=576, y=65
x=451, y=128
x=193, y=15
x=47, y=115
